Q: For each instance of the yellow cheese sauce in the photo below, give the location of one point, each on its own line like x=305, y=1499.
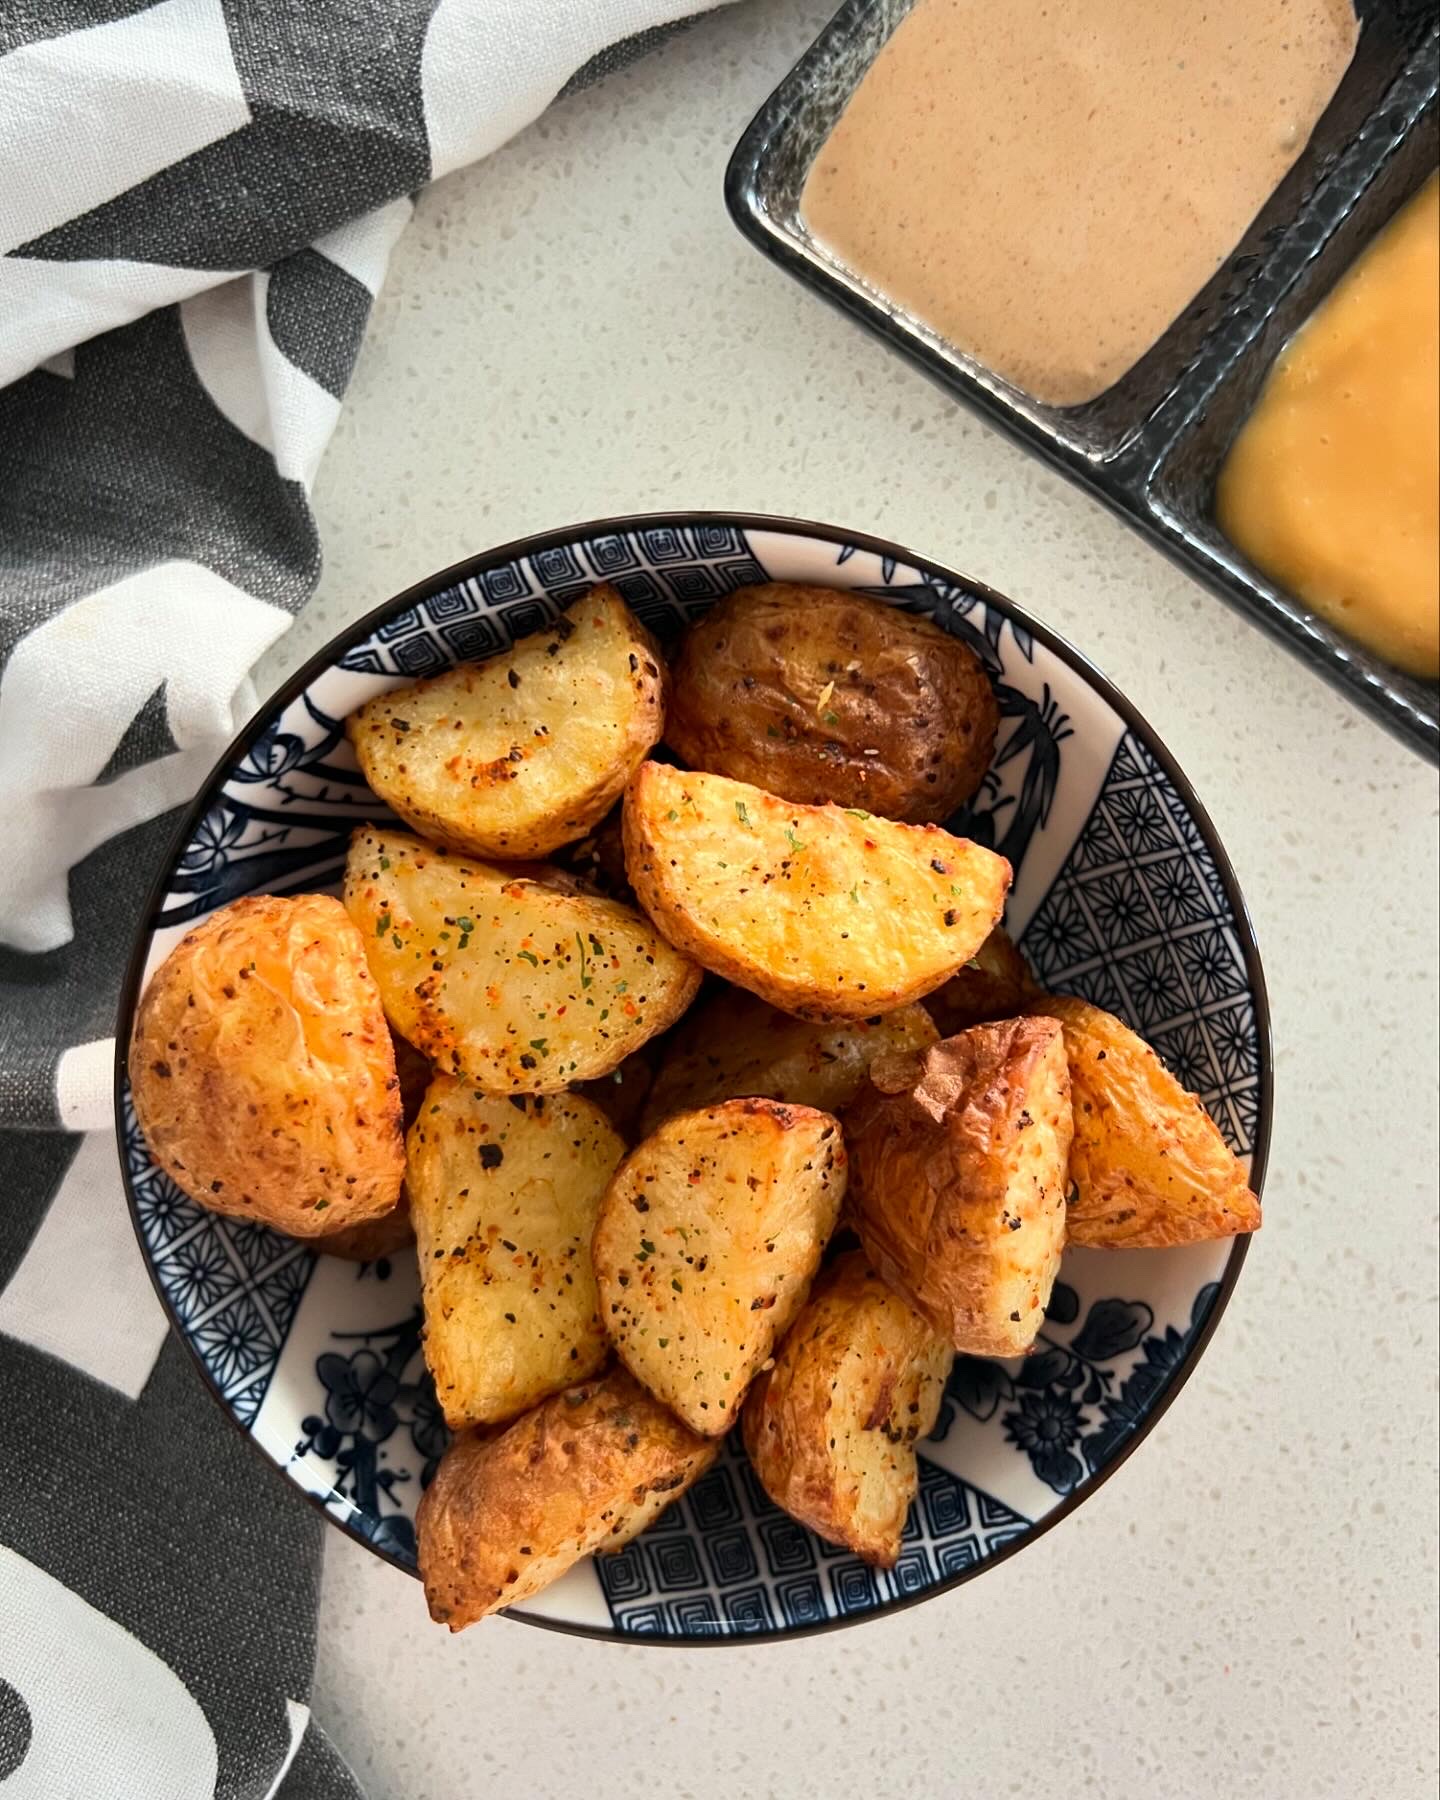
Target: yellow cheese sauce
x=1048, y=183
x=1332, y=487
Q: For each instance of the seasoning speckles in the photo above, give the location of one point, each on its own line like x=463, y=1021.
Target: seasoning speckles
x=516, y=983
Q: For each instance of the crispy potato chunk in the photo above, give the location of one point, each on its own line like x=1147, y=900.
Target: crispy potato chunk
x=995, y=984
x=824, y=913
x=508, y=1514
x=1149, y=1165
x=708, y=1236
x=515, y=756
x=508, y=978
x=818, y=695
x=736, y=1045
x=505, y=1195
x=832, y=1428
x=958, y=1180
x=262, y=1072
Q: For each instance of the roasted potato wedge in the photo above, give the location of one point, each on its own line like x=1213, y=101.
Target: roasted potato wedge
x=509, y=979
x=736, y=1045
x=514, y=756
x=825, y=913
x=818, y=695
x=505, y=1195
x=832, y=1428
x=708, y=1237
x=1149, y=1166
x=958, y=1160
x=995, y=984
x=262, y=1073
x=587, y=1470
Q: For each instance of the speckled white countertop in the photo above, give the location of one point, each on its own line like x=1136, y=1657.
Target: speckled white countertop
x=575, y=328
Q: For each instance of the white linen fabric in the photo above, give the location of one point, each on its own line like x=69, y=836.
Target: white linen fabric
x=197, y=202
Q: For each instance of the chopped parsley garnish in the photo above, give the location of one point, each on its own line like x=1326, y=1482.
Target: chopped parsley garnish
x=530, y=957
x=382, y=924
x=740, y=813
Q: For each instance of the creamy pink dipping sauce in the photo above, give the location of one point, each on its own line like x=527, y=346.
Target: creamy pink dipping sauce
x=1048, y=183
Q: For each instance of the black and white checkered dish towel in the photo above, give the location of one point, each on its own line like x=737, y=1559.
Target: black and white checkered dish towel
x=197, y=200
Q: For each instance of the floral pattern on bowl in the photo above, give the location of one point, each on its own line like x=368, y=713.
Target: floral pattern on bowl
x=1122, y=893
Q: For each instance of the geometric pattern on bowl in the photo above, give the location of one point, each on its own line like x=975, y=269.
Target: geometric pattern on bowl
x=1120, y=894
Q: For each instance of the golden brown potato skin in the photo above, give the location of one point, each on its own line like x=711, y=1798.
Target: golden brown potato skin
x=1149, y=1165
x=958, y=1161
x=820, y=695
x=515, y=756
x=262, y=1070
x=831, y=1429
x=996, y=983
x=506, y=1515
x=824, y=911
x=736, y=1045
x=504, y=1194
x=707, y=1240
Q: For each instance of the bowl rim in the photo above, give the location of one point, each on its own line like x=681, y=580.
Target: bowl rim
x=685, y=519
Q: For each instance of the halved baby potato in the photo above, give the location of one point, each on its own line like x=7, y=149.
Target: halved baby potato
x=504, y=1194
x=510, y=978
x=518, y=755
x=708, y=1237
x=817, y=694
x=262, y=1071
x=1149, y=1166
x=736, y=1045
x=507, y=1514
x=831, y=1429
x=825, y=912
x=958, y=1174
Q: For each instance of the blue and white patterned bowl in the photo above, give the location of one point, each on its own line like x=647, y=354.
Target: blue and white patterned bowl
x=1122, y=893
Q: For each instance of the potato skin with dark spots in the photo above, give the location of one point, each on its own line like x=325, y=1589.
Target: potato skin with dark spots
x=509, y=1513
x=958, y=1180
x=1149, y=1166
x=818, y=695
x=831, y=1429
x=263, y=1073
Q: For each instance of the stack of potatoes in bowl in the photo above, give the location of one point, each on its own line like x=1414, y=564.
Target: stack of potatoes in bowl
x=729, y=1103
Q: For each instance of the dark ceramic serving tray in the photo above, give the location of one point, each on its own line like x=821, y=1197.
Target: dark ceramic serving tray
x=1151, y=446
